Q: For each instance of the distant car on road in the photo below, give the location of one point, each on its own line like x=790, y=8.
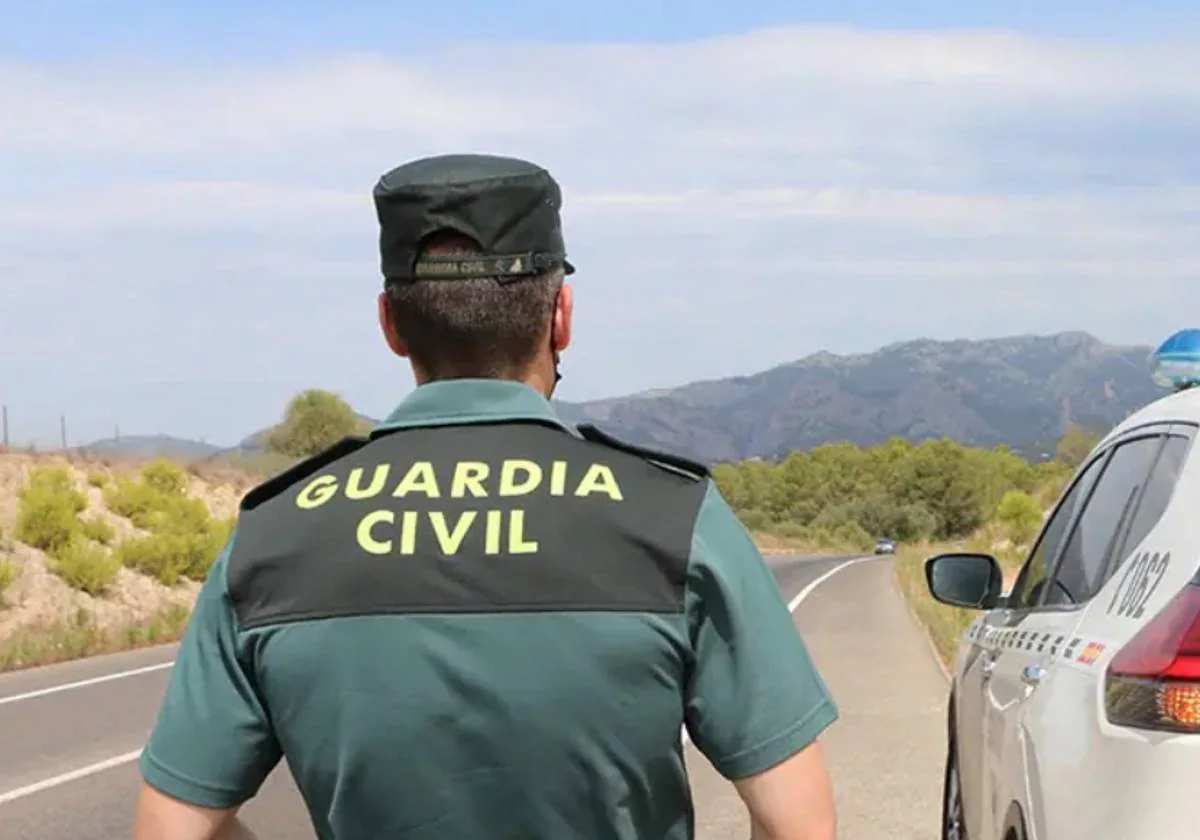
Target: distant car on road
x=885, y=546
x=1075, y=703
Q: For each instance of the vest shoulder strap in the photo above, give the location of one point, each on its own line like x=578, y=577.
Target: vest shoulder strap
x=666, y=460
x=272, y=487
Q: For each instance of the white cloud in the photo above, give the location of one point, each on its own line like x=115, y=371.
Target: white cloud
x=731, y=202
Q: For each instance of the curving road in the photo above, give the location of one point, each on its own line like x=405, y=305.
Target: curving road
x=70, y=734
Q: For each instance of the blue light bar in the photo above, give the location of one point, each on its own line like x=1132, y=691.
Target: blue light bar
x=1176, y=362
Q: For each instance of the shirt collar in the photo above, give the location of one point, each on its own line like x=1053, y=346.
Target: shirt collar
x=459, y=401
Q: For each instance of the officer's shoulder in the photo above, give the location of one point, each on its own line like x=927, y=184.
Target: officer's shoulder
x=275, y=486
x=667, y=461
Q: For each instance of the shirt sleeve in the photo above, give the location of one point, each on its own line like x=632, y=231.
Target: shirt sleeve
x=212, y=745
x=754, y=696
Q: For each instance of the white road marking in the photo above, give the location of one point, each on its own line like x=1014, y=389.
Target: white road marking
x=126, y=758
x=74, y=775
x=795, y=603
x=55, y=689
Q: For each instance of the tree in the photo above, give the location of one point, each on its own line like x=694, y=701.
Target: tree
x=314, y=421
x=1019, y=516
x=1076, y=444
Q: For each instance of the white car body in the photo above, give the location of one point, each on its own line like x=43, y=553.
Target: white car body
x=1035, y=752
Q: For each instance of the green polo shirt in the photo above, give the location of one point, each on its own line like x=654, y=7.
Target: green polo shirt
x=410, y=719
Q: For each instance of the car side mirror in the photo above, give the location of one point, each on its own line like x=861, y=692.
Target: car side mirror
x=971, y=581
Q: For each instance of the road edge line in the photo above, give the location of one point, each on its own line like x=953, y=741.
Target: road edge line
x=55, y=689
x=72, y=776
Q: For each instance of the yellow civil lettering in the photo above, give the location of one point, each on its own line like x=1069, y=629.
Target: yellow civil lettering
x=354, y=488
x=599, y=479
x=494, y=528
x=469, y=476
x=317, y=492
x=509, y=470
x=366, y=541
x=517, y=544
x=419, y=479
x=451, y=541
x=408, y=532
x=558, y=478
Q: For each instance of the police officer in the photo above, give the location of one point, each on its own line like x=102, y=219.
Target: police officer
x=477, y=622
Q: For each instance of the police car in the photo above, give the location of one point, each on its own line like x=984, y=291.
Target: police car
x=1075, y=705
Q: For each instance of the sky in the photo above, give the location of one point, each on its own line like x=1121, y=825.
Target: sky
x=187, y=236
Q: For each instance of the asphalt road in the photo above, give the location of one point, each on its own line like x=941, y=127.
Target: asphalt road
x=69, y=734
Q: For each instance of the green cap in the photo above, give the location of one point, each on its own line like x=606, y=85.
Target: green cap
x=510, y=207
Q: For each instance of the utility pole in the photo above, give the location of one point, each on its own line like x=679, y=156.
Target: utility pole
x=62, y=428
x=4, y=423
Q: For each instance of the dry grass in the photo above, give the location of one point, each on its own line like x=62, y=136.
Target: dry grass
x=80, y=635
x=946, y=625
x=773, y=544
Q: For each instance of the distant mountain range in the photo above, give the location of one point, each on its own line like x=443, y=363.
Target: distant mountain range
x=1022, y=391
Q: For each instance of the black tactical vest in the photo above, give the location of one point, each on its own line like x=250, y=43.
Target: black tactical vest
x=515, y=515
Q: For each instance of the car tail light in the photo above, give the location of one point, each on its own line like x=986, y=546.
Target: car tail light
x=1154, y=681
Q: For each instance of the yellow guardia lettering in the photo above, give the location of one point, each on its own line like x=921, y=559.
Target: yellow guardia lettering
x=420, y=478
x=468, y=478
x=354, y=488
x=599, y=479
x=518, y=478
x=317, y=492
x=504, y=532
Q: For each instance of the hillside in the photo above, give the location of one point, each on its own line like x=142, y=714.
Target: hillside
x=1022, y=391
x=44, y=615
x=153, y=446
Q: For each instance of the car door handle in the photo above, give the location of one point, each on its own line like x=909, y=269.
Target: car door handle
x=1032, y=674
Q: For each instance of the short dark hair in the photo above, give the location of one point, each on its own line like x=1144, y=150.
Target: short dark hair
x=475, y=327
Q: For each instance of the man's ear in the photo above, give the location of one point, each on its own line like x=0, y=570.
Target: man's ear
x=388, y=325
x=563, y=310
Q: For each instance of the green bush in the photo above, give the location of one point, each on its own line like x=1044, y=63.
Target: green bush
x=184, y=539
x=48, y=509
x=98, y=530
x=313, y=421
x=85, y=566
x=1018, y=516
x=168, y=556
x=97, y=479
x=134, y=500
x=165, y=478
x=163, y=557
x=935, y=490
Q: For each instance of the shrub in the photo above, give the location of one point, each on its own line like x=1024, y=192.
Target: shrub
x=97, y=479
x=169, y=556
x=85, y=566
x=163, y=557
x=313, y=421
x=98, y=530
x=48, y=509
x=165, y=478
x=134, y=500
x=1018, y=516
